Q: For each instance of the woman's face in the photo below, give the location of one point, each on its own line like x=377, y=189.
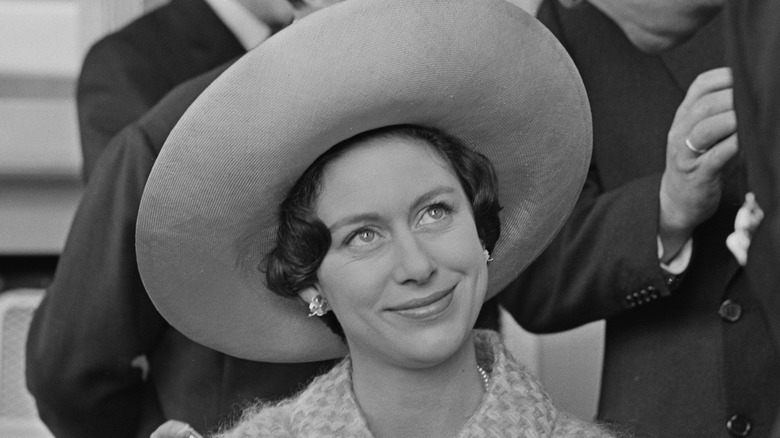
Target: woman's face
x=405, y=274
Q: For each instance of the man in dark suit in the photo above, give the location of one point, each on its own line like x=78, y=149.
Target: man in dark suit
x=754, y=49
x=687, y=348
x=100, y=360
x=127, y=72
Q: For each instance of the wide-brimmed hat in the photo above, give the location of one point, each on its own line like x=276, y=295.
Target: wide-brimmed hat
x=483, y=71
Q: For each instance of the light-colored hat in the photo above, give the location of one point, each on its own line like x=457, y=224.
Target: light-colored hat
x=483, y=71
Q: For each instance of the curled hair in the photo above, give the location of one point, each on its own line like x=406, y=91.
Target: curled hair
x=302, y=240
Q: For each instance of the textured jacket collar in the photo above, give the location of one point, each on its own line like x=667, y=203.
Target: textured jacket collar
x=514, y=406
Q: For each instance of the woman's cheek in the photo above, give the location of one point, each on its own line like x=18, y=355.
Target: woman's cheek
x=355, y=281
x=462, y=249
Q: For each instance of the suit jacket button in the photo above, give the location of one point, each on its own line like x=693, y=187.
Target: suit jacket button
x=730, y=311
x=672, y=280
x=739, y=425
x=652, y=292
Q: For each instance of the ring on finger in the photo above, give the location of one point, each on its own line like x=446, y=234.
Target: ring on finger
x=690, y=146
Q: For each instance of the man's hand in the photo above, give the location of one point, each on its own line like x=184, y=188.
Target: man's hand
x=702, y=139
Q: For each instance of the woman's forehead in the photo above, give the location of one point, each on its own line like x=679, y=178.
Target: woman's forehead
x=380, y=174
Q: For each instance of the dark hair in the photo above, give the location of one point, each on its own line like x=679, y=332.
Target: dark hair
x=302, y=240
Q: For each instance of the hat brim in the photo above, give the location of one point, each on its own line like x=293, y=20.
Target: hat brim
x=482, y=70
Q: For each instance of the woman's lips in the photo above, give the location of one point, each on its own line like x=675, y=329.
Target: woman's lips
x=426, y=307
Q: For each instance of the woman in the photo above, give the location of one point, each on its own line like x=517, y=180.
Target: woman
x=369, y=200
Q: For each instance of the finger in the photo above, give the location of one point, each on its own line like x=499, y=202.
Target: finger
x=711, y=104
x=708, y=82
x=720, y=154
x=712, y=130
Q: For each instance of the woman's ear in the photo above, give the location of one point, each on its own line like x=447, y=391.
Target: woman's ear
x=308, y=293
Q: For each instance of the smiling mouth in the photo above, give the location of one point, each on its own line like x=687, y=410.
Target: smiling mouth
x=425, y=307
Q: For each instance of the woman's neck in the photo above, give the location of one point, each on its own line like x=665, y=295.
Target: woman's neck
x=427, y=402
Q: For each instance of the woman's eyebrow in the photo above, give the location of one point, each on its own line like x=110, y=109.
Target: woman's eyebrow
x=353, y=219
x=430, y=195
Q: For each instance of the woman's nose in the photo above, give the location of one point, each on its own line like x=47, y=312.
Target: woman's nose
x=413, y=262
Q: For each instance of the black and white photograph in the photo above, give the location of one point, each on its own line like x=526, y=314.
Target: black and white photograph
x=389, y=218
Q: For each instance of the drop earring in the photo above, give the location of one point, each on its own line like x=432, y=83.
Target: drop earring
x=488, y=257
x=318, y=306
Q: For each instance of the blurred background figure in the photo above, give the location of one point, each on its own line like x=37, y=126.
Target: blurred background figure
x=688, y=351
x=127, y=72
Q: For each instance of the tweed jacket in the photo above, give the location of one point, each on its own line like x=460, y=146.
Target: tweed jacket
x=685, y=357
x=129, y=71
x=514, y=406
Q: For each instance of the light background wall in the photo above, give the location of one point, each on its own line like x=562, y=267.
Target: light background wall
x=42, y=44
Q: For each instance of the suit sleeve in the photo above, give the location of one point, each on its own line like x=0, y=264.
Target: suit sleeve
x=96, y=318
x=604, y=261
x=118, y=84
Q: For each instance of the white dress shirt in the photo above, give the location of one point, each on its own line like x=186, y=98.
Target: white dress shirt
x=249, y=31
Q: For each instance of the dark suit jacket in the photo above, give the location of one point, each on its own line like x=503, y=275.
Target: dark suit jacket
x=96, y=318
x=673, y=366
x=754, y=43
x=129, y=71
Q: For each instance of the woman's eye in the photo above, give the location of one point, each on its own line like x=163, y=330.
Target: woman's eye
x=362, y=237
x=434, y=213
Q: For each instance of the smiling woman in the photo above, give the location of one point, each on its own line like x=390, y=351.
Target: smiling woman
x=405, y=262
x=405, y=271
x=342, y=210
x=370, y=198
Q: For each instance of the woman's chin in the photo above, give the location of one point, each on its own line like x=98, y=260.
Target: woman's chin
x=436, y=345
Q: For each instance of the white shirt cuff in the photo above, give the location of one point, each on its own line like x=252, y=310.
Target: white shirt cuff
x=680, y=262
x=249, y=31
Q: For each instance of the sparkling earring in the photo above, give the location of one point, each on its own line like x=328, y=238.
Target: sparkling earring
x=488, y=258
x=318, y=306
